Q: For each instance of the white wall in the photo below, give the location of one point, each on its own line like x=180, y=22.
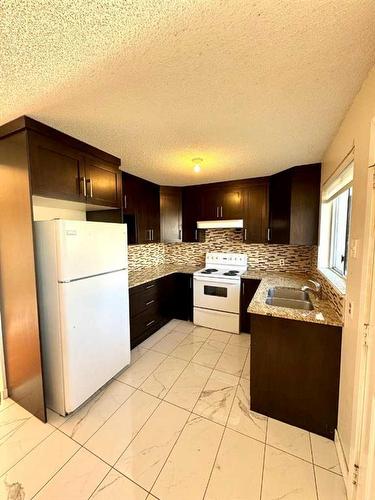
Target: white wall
x=47, y=209
x=354, y=130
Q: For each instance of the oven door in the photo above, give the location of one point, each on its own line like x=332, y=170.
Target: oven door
x=219, y=295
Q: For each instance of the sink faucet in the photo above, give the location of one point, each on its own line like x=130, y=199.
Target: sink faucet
x=316, y=289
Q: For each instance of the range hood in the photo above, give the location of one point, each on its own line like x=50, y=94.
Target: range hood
x=220, y=224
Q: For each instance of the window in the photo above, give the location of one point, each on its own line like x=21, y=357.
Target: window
x=335, y=218
x=339, y=237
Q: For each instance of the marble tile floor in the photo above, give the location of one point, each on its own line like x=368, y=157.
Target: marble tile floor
x=174, y=425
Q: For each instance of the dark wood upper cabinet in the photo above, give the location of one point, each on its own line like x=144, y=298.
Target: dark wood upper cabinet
x=294, y=196
x=255, y=212
x=57, y=170
x=103, y=183
x=221, y=202
x=170, y=214
x=192, y=197
x=65, y=168
x=141, y=209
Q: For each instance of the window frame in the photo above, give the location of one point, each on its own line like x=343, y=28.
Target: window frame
x=334, y=212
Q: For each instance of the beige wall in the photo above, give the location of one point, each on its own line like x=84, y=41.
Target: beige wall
x=354, y=130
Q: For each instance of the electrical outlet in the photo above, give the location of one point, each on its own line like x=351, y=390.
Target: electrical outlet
x=281, y=262
x=350, y=309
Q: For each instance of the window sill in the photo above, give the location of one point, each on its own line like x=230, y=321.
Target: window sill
x=338, y=283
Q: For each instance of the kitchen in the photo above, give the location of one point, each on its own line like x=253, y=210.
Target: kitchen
x=185, y=331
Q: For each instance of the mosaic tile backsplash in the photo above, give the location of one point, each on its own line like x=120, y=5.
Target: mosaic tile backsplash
x=287, y=258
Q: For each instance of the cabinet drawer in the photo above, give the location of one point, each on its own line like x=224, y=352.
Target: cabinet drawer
x=143, y=301
x=151, y=288
x=144, y=324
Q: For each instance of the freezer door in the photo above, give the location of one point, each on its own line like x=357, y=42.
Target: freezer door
x=89, y=248
x=95, y=334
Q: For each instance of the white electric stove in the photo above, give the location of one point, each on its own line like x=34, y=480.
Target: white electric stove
x=217, y=291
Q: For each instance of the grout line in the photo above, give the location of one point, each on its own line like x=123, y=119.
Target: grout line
x=313, y=466
x=264, y=460
x=112, y=469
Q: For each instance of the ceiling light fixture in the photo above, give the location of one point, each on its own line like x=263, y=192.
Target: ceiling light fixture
x=197, y=164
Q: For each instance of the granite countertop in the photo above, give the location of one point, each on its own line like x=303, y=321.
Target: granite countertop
x=322, y=313
x=146, y=274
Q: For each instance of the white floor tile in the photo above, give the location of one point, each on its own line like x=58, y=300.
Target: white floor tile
x=20, y=432
x=286, y=476
x=154, y=338
x=202, y=332
x=114, y=436
x=137, y=353
x=246, y=368
x=136, y=374
x=117, y=487
x=289, y=438
x=167, y=344
x=243, y=340
x=31, y=473
x=5, y=403
x=232, y=360
x=217, y=396
x=147, y=453
x=187, y=470
x=188, y=348
x=237, y=473
x=184, y=327
x=209, y=353
x=83, y=423
x=165, y=375
x=242, y=419
x=188, y=387
x=55, y=419
x=77, y=479
x=324, y=453
x=220, y=336
x=330, y=486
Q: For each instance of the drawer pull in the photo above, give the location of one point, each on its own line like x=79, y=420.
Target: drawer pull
x=149, y=286
x=150, y=323
x=149, y=302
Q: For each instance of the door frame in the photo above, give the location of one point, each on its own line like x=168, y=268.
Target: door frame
x=356, y=477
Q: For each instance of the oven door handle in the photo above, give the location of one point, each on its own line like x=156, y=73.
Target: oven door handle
x=217, y=282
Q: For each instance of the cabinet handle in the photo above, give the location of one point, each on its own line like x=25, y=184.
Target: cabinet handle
x=217, y=212
x=196, y=235
x=150, y=286
x=150, y=323
x=269, y=234
x=150, y=302
x=125, y=202
x=243, y=288
x=245, y=234
x=221, y=212
x=179, y=234
x=152, y=235
x=90, y=182
x=83, y=179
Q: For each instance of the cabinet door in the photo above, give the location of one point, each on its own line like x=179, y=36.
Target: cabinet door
x=103, y=183
x=170, y=214
x=256, y=213
x=183, y=298
x=153, y=211
x=280, y=209
x=231, y=204
x=57, y=170
x=212, y=201
x=191, y=213
x=248, y=289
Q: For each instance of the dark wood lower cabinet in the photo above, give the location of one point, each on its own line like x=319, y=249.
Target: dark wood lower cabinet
x=248, y=289
x=154, y=303
x=295, y=370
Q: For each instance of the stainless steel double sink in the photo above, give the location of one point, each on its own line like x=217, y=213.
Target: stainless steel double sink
x=294, y=298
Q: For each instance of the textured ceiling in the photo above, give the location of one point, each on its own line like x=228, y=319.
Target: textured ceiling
x=252, y=87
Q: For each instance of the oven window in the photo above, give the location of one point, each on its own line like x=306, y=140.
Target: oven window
x=216, y=291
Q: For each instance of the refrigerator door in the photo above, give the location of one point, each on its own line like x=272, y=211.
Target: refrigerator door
x=89, y=248
x=95, y=334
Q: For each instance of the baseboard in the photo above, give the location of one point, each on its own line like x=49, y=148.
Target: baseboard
x=342, y=461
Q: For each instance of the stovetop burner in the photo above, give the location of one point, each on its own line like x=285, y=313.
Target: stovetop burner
x=231, y=273
x=209, y=271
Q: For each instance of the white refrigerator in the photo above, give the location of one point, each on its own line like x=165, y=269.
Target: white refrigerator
x=82, y=279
